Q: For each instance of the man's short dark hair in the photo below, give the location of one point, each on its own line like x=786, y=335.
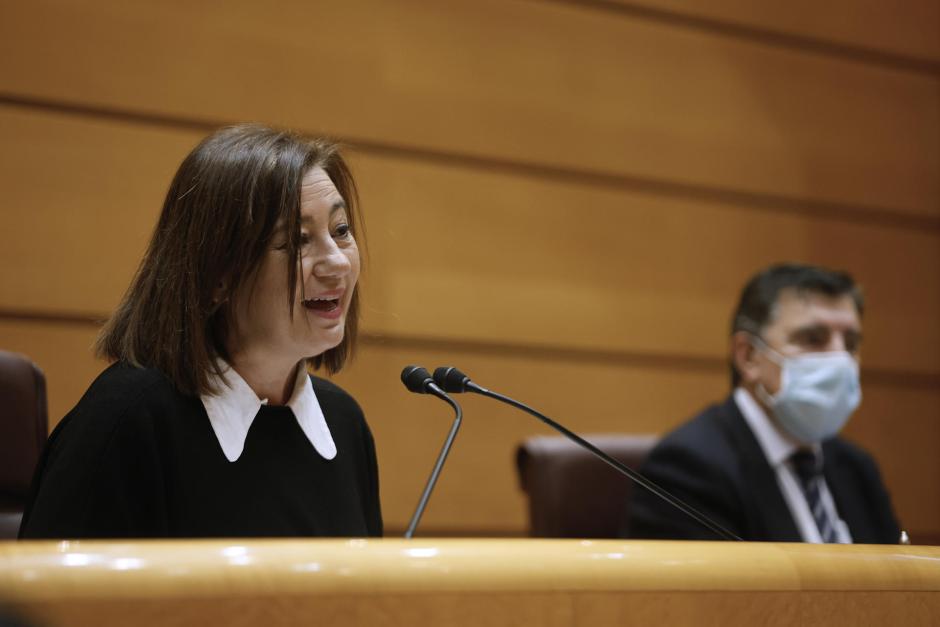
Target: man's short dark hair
x=758, y=298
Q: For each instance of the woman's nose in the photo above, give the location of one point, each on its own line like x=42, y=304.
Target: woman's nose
x=332, y=263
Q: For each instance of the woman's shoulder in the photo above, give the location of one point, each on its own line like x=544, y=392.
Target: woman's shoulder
x=339, y=407
x=328, y=391
x=122, y=383
x=123, y=389
x=119, y=406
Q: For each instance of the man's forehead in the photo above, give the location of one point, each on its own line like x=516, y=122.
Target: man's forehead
x=797, y=308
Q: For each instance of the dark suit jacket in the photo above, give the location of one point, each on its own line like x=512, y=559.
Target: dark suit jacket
x=714, y=463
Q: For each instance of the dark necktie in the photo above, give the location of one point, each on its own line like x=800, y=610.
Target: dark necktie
x=808, y=469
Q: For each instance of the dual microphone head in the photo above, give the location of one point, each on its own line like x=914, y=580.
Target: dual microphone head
x=445, y=379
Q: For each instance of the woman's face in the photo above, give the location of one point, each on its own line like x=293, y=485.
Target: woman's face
x=328, y=273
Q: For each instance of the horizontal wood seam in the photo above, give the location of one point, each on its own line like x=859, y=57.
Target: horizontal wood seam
x=575, y=355
x=758, y=201
x=777, y=38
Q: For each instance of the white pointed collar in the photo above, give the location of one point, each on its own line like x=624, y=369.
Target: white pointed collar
x=234, y=406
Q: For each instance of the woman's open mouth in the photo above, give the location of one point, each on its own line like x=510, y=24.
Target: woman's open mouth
x=321, y=304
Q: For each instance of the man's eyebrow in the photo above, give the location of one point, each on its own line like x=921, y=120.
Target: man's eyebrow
x=807, y=328
x=811, y=328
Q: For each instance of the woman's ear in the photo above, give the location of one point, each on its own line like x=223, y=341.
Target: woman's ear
x=743, y=355
x=219, y=294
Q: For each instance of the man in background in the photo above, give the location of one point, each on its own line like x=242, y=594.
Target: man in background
x=767, y=464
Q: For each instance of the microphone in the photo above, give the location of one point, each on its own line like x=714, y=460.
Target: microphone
x=456, y=382
x=419, y=381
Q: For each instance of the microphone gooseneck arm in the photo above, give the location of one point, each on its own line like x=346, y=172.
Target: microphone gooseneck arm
x=418, y=380
x=438, y=465
x=454, y=381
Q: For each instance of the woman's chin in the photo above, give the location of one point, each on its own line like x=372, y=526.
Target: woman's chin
x=323, y=344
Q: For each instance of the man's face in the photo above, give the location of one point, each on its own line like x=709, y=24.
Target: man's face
x=801, y=323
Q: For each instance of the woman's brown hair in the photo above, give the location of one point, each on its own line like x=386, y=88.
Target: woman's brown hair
x=229, y=198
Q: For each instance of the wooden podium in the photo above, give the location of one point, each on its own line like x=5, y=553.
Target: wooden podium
x=270, y=583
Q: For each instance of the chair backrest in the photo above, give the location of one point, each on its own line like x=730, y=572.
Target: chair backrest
x=572, y=494
x=23, y=432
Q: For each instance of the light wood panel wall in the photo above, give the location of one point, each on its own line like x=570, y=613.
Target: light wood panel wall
x=903, y=33
x=563, y=198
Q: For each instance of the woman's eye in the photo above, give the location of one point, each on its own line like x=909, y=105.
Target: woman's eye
x=304, y=239
x=342, y=231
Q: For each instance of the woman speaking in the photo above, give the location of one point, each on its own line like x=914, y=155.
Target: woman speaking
x=207, y=423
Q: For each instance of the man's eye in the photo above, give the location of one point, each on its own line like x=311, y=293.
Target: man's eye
x=852, y=344
x=816, y=339
x=812, y=339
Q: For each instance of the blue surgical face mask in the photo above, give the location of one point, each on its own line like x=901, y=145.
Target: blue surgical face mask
x=818, y=392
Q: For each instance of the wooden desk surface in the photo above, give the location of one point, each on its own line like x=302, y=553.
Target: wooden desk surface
x=468, y=582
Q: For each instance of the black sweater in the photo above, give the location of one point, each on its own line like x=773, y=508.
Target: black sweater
x=137, y=459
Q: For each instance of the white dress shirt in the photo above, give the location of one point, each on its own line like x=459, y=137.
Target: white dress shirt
x=233, y=408
x=777, y=447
